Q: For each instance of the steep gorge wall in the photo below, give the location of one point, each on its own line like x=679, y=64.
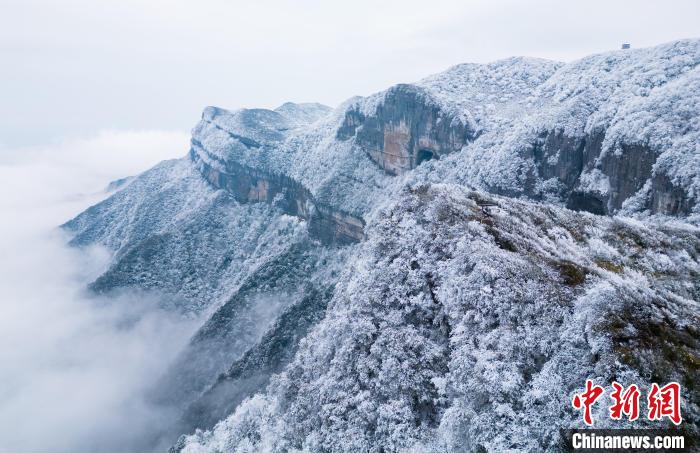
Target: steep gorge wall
x=249, y=185
x=408, y=128
x=624, y=174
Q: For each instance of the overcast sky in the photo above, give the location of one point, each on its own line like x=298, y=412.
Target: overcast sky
x=74, y=67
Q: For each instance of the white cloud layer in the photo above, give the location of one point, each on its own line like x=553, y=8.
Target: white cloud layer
x=75, y=369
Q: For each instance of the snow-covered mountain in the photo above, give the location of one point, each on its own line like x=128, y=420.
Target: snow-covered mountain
x=408, y=271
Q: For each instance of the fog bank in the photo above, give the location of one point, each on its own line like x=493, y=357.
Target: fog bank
x=75, y=368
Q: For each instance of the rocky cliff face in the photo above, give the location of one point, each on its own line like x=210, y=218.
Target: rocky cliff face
x=328, y=224
x=568, y=159
x=407, y=129
x=561, y=140
x=364, y=275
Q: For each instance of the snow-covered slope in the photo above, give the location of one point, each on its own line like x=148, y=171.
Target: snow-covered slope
x=171, y=231
x=454, y=329
x=354, y=288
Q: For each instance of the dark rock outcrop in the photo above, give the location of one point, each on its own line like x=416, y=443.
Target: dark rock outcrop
x=561, y=157
x=328, y=224
x=410, y=127
x=407, y=129
x=669, y=198
x=627, y=171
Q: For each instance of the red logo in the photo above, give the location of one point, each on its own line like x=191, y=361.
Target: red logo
x=624, y=402
x=665, y=402
x=586, y=399
x=662, y=402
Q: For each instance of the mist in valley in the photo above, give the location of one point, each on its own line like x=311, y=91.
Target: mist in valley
x=76, y=368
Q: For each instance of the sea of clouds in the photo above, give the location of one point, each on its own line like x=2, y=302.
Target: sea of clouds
x=75, y=369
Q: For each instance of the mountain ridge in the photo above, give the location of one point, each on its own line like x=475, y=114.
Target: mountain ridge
x=372, y=205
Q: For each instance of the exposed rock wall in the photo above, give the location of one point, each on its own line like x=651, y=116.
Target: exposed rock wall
x=248, y=185
x=623, y=174
x=668, y=198
x=407, y=129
